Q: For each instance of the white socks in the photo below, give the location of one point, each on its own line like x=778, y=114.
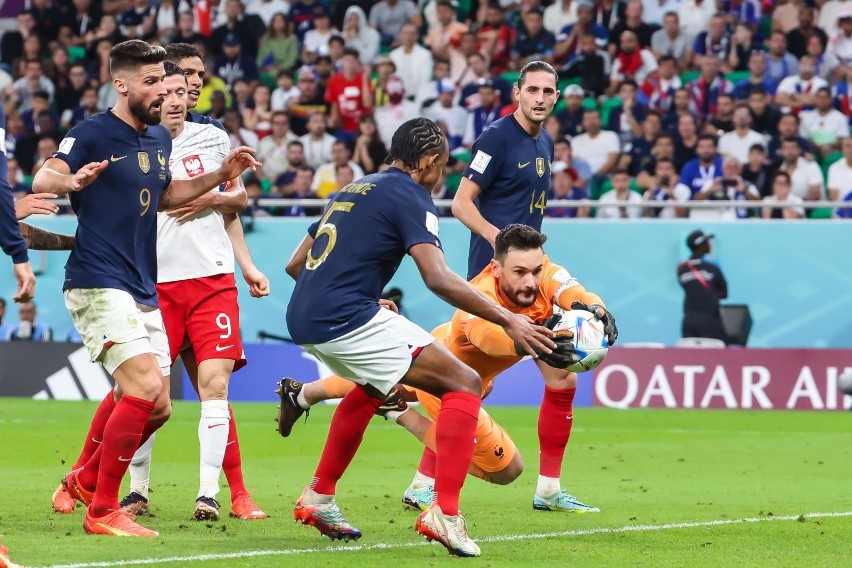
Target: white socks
x=140, y=468
x=302, y=401
x=213, y=438
x=420, y=481
x=547, y=486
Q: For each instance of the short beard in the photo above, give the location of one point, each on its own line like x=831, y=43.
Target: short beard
x=144, y=114
x=515, y=298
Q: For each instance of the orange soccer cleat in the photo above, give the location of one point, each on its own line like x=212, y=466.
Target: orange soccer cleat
x=77, y=491
x=116, y=523
x=243, y=507
x=62, y=500
x=4, y=558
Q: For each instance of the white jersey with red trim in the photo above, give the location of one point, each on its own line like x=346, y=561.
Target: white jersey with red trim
x=200, y=247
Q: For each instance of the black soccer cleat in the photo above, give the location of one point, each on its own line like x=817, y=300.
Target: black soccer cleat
x=289, y=410
x=206, y=509
x=393, y=402
x=135, y=504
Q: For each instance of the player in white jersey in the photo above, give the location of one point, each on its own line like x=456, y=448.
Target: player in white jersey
x=196, y=248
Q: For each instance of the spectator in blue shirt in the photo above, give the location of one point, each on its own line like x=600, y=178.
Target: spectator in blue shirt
x=27, y=329
x=757, y=78
x=234, y=64
x=535, y=42
x=706, y=167
x=563, y=186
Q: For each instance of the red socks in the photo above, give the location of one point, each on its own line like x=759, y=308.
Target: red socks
x=428, y=463
x=344, y=437
x=455, y=442
x=122, y=434
x=554, y=428
x=232, y=465
x=95, y=435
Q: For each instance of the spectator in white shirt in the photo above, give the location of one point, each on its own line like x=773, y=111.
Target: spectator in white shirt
x=730, y=186
x=450, y=117
x=620, y=202
x=560, y=14
x=782, y=204
x=799, y=91
x=316, y=39
x=272, y=150
x=413, y=61
x=805, y=175
x=317, y=142
x=326, y=181
x=824, y=126
x=391, y=116
x=286, y=92
x=631, y=63
x=599, y=148
x=653, y=11
x=739, y=141
x=267, y=8
x=840, y=174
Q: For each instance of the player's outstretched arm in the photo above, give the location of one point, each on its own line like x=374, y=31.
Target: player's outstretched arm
x=257, y=280
x=181, y=192
x=35, y=204
x=297, y=259
x=235, y=200
x=39, y=239
x=465, y=210
x=55, y=177
x=456, y=291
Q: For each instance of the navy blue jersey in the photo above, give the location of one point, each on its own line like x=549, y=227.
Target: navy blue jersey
x=513, y=171
x=366, y=230
x=12, y=242
x=115, y=244
x=204, y=119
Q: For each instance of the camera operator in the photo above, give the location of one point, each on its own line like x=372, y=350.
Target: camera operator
x=730, y=186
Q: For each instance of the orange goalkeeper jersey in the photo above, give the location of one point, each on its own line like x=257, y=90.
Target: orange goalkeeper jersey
x=484, y=346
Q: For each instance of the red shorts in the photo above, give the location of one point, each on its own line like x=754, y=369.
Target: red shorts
x=203, y=313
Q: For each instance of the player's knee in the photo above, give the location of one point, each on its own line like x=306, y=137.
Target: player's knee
x=151, y=386
x=214, y=387
x=561, y=380
x=468, y=381
x=162, y=411
x=509, y=473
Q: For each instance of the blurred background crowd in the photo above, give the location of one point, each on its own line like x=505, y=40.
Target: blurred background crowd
x=661, y=100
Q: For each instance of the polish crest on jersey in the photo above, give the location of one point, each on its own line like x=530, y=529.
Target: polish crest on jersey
x=193, y=165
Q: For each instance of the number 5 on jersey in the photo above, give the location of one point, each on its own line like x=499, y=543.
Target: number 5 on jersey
x=326, y=228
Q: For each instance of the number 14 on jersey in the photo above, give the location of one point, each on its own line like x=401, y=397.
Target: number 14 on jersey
x=540, y=203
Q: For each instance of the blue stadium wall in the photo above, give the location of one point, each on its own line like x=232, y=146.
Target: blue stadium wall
x=795, y=276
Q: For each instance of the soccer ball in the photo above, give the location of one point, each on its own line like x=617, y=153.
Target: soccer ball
x=844, y=382
x=590, y=343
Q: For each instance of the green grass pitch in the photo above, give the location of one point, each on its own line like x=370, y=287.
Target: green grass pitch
x=648, y=471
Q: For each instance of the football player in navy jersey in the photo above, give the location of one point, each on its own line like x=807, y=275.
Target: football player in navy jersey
x=114, y=165
x=335, y=314
x=12, y=242
x=508, y=177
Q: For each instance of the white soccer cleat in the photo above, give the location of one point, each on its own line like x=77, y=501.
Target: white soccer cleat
x=449, y=531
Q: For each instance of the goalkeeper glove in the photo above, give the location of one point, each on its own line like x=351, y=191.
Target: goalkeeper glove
x=605, y=317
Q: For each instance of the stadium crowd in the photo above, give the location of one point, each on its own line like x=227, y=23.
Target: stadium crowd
x=662, y=100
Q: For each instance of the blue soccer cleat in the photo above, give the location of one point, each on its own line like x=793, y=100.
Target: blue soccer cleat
x=420, y=499
x=562, y=502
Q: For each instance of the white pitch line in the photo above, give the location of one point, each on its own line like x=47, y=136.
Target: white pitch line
x=497, y=538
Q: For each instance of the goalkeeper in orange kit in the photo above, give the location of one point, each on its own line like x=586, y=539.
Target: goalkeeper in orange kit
x=522, y=279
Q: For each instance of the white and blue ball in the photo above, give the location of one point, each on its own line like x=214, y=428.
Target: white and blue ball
x=590, y=342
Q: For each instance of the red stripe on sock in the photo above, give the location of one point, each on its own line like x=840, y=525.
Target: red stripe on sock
x=554, y=428
x=455, y=442
x=344, y=437
x=121, y=439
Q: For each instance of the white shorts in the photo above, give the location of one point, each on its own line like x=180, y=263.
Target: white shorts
x=115, y=328
x=379, y=353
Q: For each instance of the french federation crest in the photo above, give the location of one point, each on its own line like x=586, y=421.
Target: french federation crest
x=144, y=162
x=539, y=166
x=161, y=159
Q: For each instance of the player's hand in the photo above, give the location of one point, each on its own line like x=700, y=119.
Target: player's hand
x=86, y=175
x=604, y=315
x=257, y=281
x=188, y=211
x=529, y=338
x=26, y=282
x=564, y=354
x=35, y=204
x=389, y=305
x=237, y=161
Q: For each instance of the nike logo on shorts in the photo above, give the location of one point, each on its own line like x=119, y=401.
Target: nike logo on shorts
x=121, y=459
x=223, y=347
x=210, y=426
